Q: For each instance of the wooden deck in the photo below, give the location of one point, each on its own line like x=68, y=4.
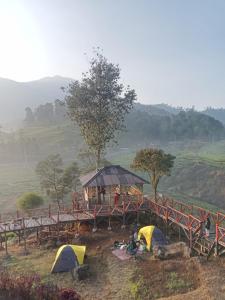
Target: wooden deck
x=187, y=218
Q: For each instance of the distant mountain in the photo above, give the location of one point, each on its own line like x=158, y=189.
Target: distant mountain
x=16, y=96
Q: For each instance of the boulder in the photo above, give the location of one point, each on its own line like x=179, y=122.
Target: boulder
x=174, y=250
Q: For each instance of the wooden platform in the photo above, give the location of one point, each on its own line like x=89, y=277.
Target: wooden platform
x=189, y=219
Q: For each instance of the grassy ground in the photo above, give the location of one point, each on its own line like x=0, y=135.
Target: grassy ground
x=16, y=179
x=110, y=278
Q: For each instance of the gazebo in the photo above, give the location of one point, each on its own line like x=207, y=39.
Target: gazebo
x=110, y=184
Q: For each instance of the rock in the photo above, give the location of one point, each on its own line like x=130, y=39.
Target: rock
x=82, y=272
x=179, y=249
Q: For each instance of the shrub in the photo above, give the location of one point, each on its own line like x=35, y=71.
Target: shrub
x=29, y=200
x=30, y=287
x=176, y=283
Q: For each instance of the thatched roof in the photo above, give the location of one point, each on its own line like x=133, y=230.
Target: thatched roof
x=111, y=175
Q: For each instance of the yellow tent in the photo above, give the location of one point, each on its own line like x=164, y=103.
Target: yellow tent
x=147, y=232
x=67, y=257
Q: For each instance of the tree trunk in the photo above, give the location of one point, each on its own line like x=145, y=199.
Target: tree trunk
x=57, y=200
x=155, y=193
x=98, y=159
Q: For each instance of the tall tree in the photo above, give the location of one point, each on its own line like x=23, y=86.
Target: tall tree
x=155, y=162
x=99, y=103
x=56, y=180
x=71, y=177
x=50, y=173
x=29, y=118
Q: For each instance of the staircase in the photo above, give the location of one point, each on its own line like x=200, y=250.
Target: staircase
x=204, y=246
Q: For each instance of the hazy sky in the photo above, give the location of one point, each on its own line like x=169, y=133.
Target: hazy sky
x=170, y=51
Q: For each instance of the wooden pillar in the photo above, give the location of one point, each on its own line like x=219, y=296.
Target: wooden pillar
x=179, y=233
x=190, y=238
x=137, y=217
x=25, y=238
x=217, y=239
x=6, y=245
x=19, y=237
x=110, y=191
x=166, y=219
x=109, y=227
x=124, y=217
x=95, y=221
x=37, y=235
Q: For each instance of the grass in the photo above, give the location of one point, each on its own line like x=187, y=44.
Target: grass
x=38, y=261
x=175, y=283
x=15, y=179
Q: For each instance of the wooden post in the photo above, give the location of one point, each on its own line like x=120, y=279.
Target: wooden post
x=179, y=233
x=24, y=237
x=19, y=237
x=95, y=223
x=49, y=211
x=6, y=245
x=124, y=217
x=109, y=227
x=217, y=238
x=166, y=218
x=37, y=235
x=1, y=240
x=138, y=216
x=190, y=238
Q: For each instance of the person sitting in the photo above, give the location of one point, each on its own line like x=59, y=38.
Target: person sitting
x=132, y=247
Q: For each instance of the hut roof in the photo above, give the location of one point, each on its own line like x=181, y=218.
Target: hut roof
x=111, y=175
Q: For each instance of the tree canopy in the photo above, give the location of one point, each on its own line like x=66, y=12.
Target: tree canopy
x=155, y=162
x=54, y=179
x=99, y=103
x=29, y=200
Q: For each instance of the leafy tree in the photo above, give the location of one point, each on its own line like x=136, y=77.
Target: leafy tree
x=88, y=162
x=60, y=111
x=155, y=162
x=56, y=180
x=29, y=200
x=44, y=113
x=50, y=172
x=99, y=103
x=71, y=177
x=29, y=118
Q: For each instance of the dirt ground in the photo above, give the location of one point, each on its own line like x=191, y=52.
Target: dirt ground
x=141, y=278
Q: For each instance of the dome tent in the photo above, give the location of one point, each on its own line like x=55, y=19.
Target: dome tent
x=68, y=257
x=153, y=236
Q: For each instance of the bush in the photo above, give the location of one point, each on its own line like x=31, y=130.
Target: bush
x=30, y=287
x=29, y=200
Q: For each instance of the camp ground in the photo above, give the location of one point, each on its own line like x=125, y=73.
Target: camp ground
x=56, y=239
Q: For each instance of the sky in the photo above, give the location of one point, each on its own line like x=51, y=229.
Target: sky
x=169, y=51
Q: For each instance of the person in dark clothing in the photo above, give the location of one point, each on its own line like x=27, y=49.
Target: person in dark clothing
x=207, y=226
x=132, y=247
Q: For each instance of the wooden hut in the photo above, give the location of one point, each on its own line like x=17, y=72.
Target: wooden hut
x=101, y=187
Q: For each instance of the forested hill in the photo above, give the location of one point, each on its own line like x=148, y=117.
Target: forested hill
x=182, y=126
x=145, y=122
x=217, y=113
